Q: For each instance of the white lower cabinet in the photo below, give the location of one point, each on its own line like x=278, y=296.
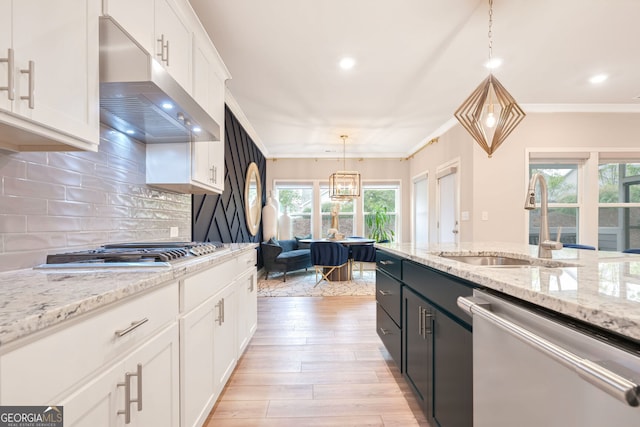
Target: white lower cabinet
x=214, y=333
x=247, y=308
x=225, y=355
x=197, y=376
x=141, y=390
x=160, y=358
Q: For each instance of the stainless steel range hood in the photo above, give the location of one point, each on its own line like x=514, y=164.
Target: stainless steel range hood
x=140, y=98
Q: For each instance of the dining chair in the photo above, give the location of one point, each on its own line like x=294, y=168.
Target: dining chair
x=631, y=251
x=328, y=257
x=361, y=254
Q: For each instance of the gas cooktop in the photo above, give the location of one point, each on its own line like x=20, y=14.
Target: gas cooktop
x=137, y=254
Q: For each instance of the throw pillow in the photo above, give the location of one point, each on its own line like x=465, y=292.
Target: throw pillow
x=273, y=241
x=303, y=245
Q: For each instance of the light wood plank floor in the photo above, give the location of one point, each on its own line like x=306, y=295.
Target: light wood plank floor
x=316, y=361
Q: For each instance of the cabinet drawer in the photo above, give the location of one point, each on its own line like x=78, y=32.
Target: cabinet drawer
x=438, y=288
x=47, y=366
x=389, y=263
x=247, y=260
x=196, y=289
x=390, y=334
x=388, y=295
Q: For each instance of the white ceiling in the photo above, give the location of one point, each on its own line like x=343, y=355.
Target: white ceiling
x=417, y=61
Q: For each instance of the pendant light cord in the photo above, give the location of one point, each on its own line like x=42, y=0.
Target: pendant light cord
x=344, y=152
x=489, y=33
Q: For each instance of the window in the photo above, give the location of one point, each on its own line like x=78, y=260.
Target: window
x=346, y=214
x=564, y=208
x=380, y=210
x=618, y=205
x=297, y=201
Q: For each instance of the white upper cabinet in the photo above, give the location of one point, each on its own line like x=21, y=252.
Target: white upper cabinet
x=159, y=27
x=49, y=87
x=135, y=17
x=209, y=76
x=173, y=42
x=198, y=167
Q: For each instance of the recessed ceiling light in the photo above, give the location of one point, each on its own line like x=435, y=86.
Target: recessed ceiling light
x=493, y=63
x=167, y=105
x=130, y=132
x=196, y=129
x=599, y=78
x=347, y=63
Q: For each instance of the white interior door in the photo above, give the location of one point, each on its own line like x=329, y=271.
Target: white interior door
x=421, y=210
x=448, y=215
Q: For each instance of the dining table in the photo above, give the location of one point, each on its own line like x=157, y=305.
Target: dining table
x=339, y=274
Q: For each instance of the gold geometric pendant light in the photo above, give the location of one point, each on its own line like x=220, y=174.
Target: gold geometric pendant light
x=344, y=185
x=490, y=113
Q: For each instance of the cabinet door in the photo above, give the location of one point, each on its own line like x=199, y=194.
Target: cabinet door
x=453, y=372
x=60, y=41
x=224, y=335
x=5, y=45
x=135, y=17
x=202, y=169
x=247, y=308
x=418, y=355
x=173, y=42
x=198, y=384
x=159, y=386
x=97, y=403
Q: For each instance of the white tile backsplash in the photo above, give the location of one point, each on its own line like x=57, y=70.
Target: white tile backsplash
x=64, y=201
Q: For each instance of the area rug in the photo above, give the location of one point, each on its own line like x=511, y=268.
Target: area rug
x=301, y=284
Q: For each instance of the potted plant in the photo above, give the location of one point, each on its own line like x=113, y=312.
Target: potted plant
x=378, y=223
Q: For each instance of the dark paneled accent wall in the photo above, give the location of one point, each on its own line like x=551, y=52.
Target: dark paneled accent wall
x=221, y=217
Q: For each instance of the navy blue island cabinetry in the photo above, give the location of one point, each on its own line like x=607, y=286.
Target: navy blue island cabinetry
x=389, y=302
x=436, y=355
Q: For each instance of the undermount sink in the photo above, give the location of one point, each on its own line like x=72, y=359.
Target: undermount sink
x=504, y=261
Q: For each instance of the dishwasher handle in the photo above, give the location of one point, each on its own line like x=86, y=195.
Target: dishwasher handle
x=615, y=385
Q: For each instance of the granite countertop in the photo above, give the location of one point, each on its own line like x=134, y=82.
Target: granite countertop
x=599, y=287
x=32, y=300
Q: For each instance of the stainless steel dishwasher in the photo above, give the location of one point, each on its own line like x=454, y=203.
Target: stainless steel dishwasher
x=536, y=369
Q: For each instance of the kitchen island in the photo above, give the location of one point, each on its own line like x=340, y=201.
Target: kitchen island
x=448, y=315
x=598, y=287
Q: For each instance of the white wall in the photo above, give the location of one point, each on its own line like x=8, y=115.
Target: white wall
x=370, y=170
x=497, y=185
x=494, y=185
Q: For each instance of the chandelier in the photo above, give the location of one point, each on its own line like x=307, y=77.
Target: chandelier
x=490, y=113
x=344, y=185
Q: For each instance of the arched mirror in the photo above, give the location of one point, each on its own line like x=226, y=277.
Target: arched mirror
x=253, y=198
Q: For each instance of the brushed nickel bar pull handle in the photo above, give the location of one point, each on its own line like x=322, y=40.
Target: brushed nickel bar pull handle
x=134, y=325
x=10, y=76
x=138, y=376
x=384, y=331
x=32, y=80
x=384, y=293
x=161, y=53
x=222, y=311
x=386, y=262
x=219, y=318
x=420, y=320
x=127, y=398
x=167, y=58
x=428, y=317
x=611, y=383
